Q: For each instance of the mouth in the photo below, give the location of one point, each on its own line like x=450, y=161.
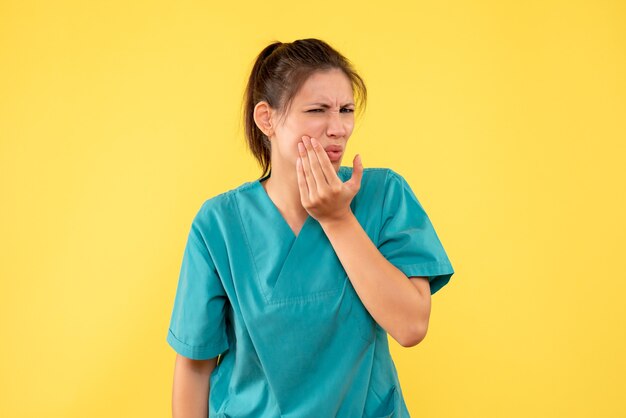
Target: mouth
x=334, y=152
x=334, y=155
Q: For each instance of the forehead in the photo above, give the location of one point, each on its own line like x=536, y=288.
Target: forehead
x=331, y=86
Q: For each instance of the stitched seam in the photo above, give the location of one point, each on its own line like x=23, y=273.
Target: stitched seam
x=382, y=209
x=195, y=347
x=307, y=298
x=430, y=263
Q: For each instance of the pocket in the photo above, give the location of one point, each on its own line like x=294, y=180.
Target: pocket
x=388, y=407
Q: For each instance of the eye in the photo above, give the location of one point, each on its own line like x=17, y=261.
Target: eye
x=321, y=110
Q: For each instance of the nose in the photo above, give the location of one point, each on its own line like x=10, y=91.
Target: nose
x=336, y=124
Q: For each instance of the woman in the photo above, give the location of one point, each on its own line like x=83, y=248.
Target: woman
x=295, y=279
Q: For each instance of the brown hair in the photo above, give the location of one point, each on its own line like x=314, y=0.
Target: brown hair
x=277, y=75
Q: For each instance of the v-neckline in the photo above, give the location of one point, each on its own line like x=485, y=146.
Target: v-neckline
x=273, y=208
x=280, y=257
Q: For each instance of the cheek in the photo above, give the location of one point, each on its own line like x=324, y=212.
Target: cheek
x=315, y=125
x=306, y=125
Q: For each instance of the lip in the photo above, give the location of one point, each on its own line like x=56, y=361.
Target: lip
x=334, y=148
x=334, y=156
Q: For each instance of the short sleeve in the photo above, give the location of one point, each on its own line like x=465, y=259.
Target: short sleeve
x=198, y=323
x=407, y=237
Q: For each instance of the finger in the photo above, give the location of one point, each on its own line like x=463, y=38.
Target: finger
x=325, y=164
x=308, y=175
x=302, y=186
x=357, y=174
x=316, y=168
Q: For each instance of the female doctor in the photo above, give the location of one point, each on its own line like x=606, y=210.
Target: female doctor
x=293, y=281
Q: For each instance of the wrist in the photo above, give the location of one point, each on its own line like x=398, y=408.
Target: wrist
x=338, y=221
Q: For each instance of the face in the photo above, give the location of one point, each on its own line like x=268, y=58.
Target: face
x=322, y=109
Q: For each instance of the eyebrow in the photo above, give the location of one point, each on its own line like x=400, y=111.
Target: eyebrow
x=327, y=106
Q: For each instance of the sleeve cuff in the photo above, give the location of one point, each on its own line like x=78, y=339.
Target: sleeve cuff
x=438, y=273
x=204, y=352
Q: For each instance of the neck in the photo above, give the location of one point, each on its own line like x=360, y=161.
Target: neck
x=282, y=187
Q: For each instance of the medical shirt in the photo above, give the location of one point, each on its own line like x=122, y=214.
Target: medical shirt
x=294, y=337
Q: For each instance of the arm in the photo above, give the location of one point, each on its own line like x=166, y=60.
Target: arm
x=400, y=305
x=190, y=391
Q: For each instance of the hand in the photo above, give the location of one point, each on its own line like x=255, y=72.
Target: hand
x=322, y=192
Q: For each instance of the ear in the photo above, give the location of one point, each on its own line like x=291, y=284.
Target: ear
x=263, y=118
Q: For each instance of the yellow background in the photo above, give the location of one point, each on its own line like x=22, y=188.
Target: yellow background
x=118, y=119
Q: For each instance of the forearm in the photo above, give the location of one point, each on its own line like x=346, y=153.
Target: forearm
x=190, y=392
x=386, y=292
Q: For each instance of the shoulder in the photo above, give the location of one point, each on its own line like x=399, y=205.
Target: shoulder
x=388, y=187
x=380, y=179
x=218, y=209
x=226, y=200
